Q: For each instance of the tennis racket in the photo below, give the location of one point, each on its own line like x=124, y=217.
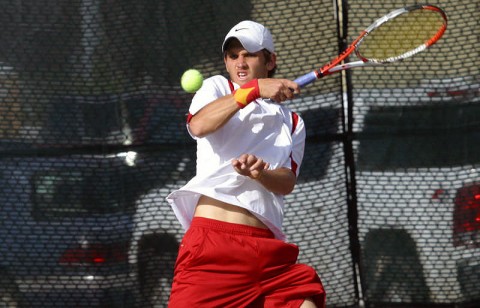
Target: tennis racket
x=396, y=36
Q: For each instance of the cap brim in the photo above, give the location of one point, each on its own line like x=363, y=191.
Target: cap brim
x=247, y=43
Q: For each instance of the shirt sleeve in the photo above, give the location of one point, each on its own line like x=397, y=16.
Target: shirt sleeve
x=212, y=88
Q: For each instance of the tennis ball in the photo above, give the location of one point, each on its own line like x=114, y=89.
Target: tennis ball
x=191, y=80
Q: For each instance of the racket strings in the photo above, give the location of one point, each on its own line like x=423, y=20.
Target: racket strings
x=402, y=36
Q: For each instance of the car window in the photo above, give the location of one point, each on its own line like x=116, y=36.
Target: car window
x=66, y=193
x=434, y=135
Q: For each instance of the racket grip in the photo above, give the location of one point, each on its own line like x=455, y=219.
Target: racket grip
x=306, y=79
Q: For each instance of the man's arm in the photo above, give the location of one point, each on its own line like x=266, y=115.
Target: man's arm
x=214, y=115
x=280, y=181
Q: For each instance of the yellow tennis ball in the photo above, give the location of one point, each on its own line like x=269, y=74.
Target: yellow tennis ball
x=191, y=81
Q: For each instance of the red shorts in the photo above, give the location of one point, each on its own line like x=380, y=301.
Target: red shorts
x=232, y=265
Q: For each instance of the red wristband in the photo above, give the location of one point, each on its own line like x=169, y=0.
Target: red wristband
x=247, y=93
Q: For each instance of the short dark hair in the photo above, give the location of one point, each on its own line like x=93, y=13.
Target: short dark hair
x=268, y=57
x=266, y=53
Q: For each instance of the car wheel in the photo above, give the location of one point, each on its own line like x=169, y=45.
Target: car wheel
x=157, y=255
x=392, y=267
x=9, y=296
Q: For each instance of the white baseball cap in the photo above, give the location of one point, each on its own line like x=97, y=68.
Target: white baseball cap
x=253, y=36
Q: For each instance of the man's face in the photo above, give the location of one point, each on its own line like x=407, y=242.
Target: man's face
x=243, y=66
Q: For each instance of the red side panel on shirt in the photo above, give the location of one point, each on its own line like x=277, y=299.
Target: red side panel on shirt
x=189, y=117
x=294, y=126
x=294, y=121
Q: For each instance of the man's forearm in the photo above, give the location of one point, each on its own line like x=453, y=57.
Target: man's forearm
x=280, y=181
x=213, y=116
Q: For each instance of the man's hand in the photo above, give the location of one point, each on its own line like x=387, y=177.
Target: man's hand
x=279, y=181
x=278, y=90
x=250, y=165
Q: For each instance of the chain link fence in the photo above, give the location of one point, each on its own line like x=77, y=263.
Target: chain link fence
x=93, y=138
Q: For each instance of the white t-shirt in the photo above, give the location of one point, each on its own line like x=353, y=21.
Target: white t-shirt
x=265, y=129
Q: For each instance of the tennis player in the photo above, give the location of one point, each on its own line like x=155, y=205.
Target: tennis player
x=249, y=151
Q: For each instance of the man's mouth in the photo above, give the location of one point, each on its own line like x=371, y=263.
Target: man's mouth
x=242, y=75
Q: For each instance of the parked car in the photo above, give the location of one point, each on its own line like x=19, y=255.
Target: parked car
x=66, y=225
x=418, y=192
x=156, y=233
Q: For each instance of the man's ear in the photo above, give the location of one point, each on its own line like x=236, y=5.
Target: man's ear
x=225, y=63
x=272, y=63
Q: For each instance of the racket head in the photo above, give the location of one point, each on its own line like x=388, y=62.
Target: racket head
x=401, y=34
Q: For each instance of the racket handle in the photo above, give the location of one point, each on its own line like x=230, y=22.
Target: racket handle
x=306, y=79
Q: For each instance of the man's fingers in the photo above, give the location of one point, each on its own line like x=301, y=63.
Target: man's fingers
x=249, y=165
x=278, y=90
x=258, y=165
